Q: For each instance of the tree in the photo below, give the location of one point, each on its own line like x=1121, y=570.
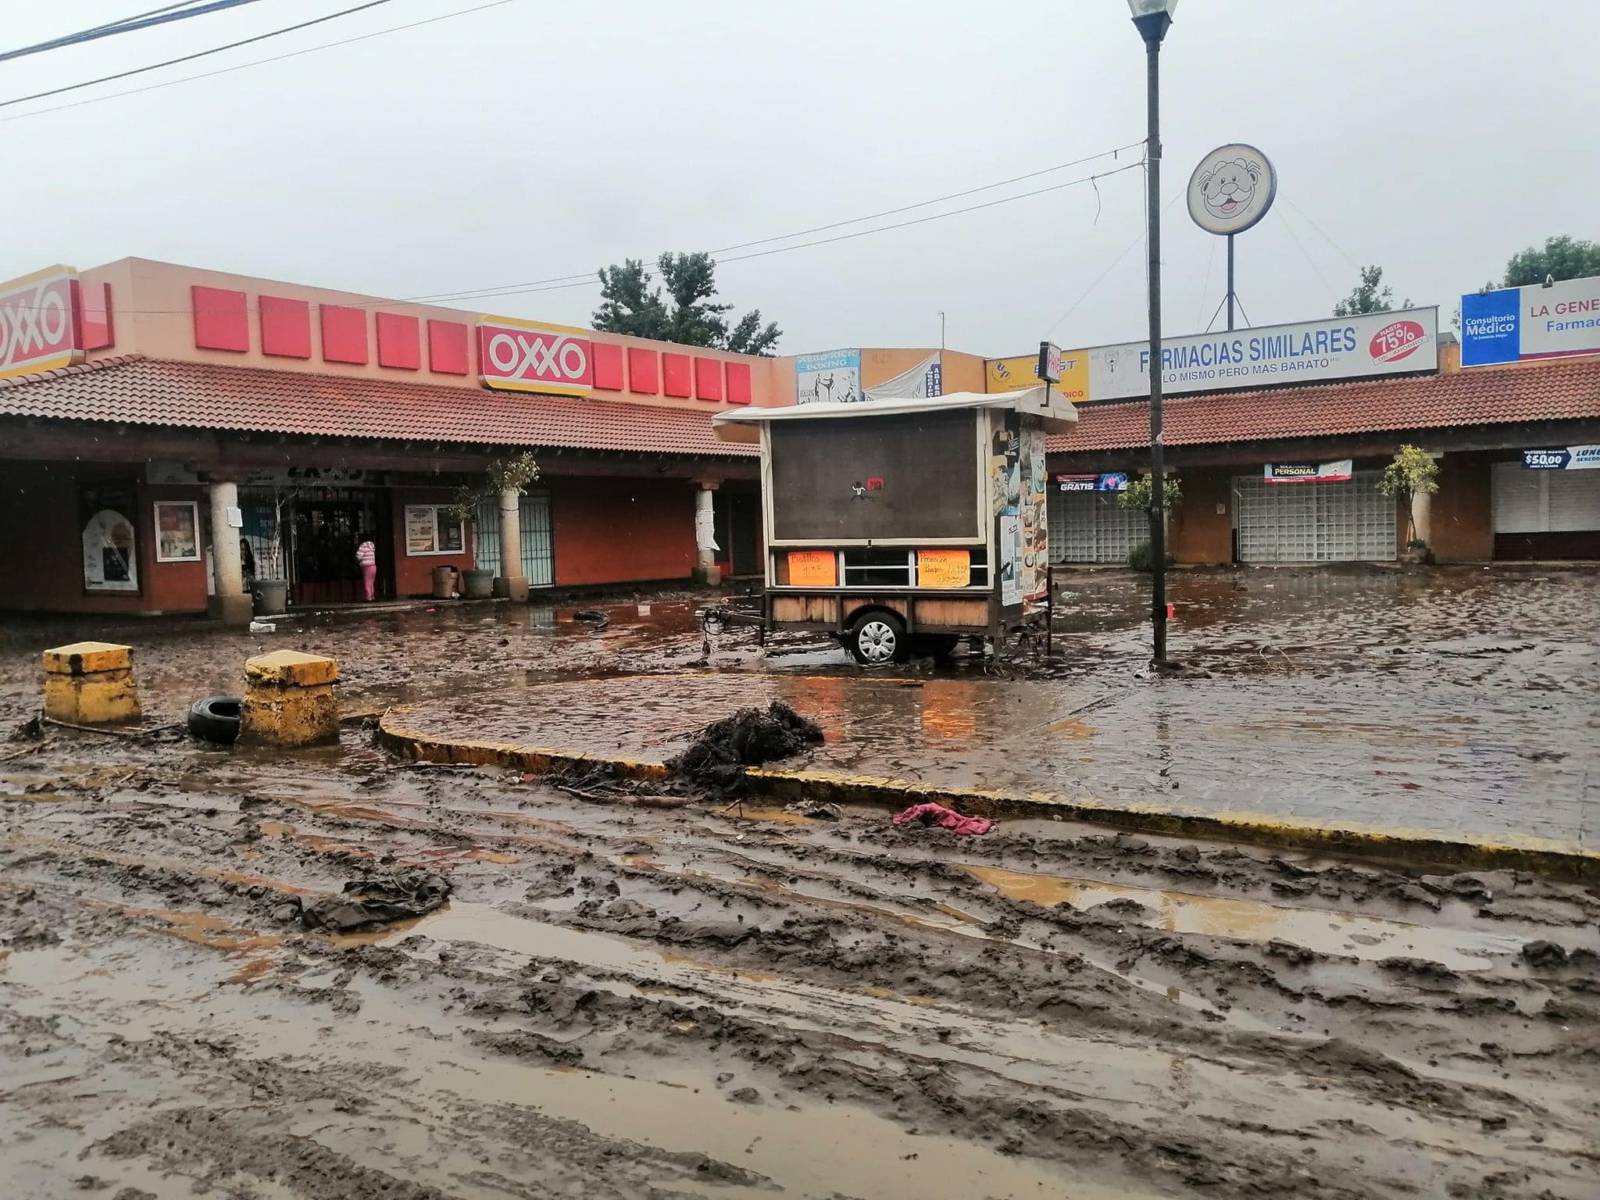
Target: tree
x=1371, y=295
x=1562, y=257
x=689, y=314
x=1413, y=473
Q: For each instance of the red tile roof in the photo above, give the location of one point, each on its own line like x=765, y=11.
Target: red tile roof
x=140, y=391
x=1560, y=391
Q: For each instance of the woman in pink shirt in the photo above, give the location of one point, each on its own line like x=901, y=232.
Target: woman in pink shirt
x=367, y=558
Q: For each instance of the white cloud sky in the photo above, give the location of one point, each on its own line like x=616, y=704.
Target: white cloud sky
x=540, y=139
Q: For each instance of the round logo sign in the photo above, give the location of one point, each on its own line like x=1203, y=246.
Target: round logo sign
x=1231, y=189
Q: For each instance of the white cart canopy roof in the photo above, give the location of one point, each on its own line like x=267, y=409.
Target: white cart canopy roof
x=1057, y=413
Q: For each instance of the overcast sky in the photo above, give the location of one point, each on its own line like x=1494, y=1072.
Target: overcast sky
x=540, y=139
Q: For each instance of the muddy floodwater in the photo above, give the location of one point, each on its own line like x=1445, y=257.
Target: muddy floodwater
x=628, y=999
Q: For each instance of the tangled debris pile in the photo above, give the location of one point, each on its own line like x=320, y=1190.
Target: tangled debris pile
x=752, y=736
x=366, y=903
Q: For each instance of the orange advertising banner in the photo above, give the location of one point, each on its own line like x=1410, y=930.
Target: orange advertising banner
x=813, y=568
x=944, y=568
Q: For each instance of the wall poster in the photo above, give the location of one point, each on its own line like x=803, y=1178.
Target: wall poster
x=1034, y=552
x=832, y=377
x=177, y=531
x=110, y=547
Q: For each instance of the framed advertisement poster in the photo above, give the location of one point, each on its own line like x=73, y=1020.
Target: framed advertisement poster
x=109, y=543
x=177, y=531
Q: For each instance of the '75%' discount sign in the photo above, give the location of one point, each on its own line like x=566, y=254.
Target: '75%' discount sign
x=521, y=356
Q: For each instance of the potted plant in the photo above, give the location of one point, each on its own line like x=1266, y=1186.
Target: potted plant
x=501, y=476
x=271, y=588
x=1413, y=473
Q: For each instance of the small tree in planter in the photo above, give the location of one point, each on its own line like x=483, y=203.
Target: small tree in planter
x=1413, y=473
x=503, y=475
x=1139, y=495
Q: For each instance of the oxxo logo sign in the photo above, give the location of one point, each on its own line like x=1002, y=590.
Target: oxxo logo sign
x=37, y=327
x=534, y=358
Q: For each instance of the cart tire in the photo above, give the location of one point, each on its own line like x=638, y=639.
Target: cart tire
x=877, y=638
x=215, y=719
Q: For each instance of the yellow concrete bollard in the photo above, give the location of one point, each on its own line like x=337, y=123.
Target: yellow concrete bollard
x=288, y=700
x=90, y=683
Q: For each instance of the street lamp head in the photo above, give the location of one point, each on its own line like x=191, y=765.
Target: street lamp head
x=1153, y=18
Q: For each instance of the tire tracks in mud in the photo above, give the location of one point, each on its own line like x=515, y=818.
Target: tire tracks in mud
x=839, y=974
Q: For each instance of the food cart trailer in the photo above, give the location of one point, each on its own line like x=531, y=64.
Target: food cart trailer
x=906, y=525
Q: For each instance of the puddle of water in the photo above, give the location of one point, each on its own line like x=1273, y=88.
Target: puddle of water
x=1370, y=938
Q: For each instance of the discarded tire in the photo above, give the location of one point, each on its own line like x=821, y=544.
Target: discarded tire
x=215, y=719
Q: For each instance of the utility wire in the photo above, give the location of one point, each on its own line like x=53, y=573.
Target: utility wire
x=1350, y=258
x=509, y=288
x=260, y=37
x=160, y=16
x=1306, y=254
x=562, y=282
x=460, y=12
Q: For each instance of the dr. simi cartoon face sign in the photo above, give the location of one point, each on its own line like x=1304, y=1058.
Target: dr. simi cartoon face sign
x=1231, y=189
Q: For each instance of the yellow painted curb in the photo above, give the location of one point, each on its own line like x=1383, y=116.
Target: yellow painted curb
x=1413, y=847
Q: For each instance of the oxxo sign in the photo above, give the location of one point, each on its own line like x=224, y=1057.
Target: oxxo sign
x=38, y=324
x=521, y=356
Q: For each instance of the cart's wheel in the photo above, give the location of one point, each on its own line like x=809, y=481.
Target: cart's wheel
x=877, y=638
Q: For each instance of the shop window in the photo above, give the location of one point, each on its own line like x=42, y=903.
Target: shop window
x=110, y=544
x=432, y=529
x=177, y=525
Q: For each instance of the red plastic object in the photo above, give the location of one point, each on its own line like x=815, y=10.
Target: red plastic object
x=447, y=347
x=708, y=379
x=675, y=375
x=220, y=322
x=399, y=341
x=1172, y=611
x=285, y=327
x=607, y=366
x=738, y=383
x=644, y=374
x=344, y=334
x=95, y=316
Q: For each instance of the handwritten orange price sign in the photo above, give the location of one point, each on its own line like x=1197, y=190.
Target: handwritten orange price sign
x=813, y=568
x=944, y=568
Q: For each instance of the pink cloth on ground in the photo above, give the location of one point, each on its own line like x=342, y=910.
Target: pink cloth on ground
x=938, y=814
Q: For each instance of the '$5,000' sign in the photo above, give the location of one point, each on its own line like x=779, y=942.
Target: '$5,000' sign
x=38, y=330
x=524, y=357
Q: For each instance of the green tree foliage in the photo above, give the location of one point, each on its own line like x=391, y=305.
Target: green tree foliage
x=1413, y=473
x=631, y=303
x=1562, y=257
x=1371, y=295
x=502, y=475
x=1137, y=495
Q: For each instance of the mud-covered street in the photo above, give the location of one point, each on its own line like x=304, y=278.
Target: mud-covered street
x=669, y=996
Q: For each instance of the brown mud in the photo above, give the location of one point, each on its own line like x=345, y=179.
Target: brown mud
x=622, y=1000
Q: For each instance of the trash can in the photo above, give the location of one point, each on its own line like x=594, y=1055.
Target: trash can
x=479, y=584
x=271, y=596
x=444, y=583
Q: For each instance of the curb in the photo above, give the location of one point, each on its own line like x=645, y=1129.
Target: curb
x=1407, y=847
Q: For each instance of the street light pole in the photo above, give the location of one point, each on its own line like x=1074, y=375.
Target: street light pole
x=1153, y=18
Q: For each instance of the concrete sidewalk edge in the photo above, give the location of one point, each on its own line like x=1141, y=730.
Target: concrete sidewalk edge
x=1412, y=847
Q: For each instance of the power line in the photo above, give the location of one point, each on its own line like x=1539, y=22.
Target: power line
x=159, y=16
x=560, y=282
x=260, y=37
x=1350, y=258
x=258, y=62
x=1306, y=254
x=591, y=280
x=513, y=288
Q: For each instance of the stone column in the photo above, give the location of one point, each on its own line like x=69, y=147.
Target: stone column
x=1422, y=517
x=231, y=603
x=289, y=700
x=705, y=534
x=511, y=582
x=90, y=683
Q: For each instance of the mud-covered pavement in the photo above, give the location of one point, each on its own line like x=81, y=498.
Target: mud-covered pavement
x=626, y=999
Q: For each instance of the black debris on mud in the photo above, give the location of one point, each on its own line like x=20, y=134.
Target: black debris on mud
x=719, y=754
x=368, y=903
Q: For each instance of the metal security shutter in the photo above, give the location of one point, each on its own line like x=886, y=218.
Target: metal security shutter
x=1315, y=522
x=1091, y=527
x=1545, y=501
x=537, y=559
